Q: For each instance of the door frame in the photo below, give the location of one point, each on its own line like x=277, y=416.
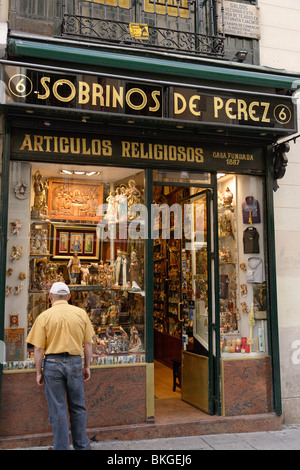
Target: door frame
x=214, y=394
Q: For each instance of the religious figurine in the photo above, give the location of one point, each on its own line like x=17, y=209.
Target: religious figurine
x=116, y=202
x=84, y=275
x=134, y=271
x=228, y=197
x=173, y=253
x=111, y=211
x=244, y=290
x=16, y=253
x=40, y=185
x=15, y=227
x=133, y=197
x=44, y=242
x=18, y=290
x=74, y=266
x=110, y=276
x=244, y=308
x=124, y=271
x=8, y=291
x=123, y=206
x=118, y=269
x=112, y=314
x=135, y=344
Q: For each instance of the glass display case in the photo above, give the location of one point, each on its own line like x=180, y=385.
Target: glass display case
x=85, y=230
x=242, y=290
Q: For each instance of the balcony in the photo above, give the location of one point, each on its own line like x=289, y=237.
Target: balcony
x=193, y=27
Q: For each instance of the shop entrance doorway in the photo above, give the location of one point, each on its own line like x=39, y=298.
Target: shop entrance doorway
x=183, y=295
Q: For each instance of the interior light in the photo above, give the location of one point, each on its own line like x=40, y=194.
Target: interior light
x=79, y=172
x=220, y=175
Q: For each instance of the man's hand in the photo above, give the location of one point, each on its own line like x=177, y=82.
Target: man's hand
x=86, y=374
x=40, y=379
x=38, y=359
x=87, y=360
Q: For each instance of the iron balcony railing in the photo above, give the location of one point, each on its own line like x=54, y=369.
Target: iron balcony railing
x=182, y=26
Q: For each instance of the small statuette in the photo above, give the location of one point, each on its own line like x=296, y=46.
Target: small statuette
x=8, y=291
x=15, y=227
x=18, y=290
x=16, y=253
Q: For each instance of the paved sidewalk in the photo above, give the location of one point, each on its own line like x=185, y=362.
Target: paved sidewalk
x=286, y=439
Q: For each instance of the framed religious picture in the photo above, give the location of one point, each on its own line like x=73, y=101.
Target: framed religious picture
x=14, y=344
x=74, y=199
x=76, y=242
x=260, y=301
x=63, y=242
x=67, y=239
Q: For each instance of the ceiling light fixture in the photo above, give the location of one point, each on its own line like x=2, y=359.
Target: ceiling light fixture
x=80, y=172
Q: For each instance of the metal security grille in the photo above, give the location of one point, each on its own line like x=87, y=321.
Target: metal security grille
x=190, y=26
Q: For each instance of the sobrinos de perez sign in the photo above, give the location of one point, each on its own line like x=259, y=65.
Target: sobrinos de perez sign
x=108, y=95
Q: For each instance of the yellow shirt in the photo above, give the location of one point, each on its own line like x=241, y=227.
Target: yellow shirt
x=61, y=328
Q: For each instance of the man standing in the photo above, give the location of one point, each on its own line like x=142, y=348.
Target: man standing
x=59, y=336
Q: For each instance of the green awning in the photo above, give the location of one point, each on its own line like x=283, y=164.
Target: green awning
x=227, y=72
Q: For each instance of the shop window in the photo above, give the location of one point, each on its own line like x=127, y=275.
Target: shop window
x=82, y=226
x=114, y=3
x=242, y=290
x=168, y=7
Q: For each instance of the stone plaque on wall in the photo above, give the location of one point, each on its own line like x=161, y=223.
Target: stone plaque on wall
x=240, y=19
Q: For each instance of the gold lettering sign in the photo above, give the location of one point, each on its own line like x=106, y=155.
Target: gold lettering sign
x=146, y=152
x=104, y=94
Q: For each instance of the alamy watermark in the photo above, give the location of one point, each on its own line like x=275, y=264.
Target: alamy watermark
x=135, y=222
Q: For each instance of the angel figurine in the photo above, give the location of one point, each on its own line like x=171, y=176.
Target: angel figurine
x=15, y=227
x=16, y=253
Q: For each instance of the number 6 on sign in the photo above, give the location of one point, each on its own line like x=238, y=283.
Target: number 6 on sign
x=282, y=114
x=20, y=85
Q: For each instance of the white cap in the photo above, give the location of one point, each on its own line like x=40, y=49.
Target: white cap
x=59, y=288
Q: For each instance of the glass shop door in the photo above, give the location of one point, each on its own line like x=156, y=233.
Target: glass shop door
x=196, y=301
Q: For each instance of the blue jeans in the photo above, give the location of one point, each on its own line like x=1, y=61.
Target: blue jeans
x=64, y=379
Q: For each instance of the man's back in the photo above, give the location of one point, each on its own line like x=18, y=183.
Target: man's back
x=62, y=328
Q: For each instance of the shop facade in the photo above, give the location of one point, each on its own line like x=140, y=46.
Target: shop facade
x=153, y=199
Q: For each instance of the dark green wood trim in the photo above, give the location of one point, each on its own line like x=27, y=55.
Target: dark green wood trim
x=226, y=72
x=3, y=231
x=210, y=256
x=217, y=356
x=272, y=297
x=149, y=267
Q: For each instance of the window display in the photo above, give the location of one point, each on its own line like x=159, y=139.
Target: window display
x=242, y=291
x=62, y=231
x=78, y=225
